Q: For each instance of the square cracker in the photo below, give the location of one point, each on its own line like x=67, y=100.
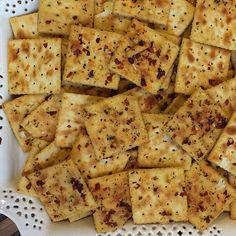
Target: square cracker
x=223, y=153
x=112, y=196
x=157, y=195
x=62, y=191
x=48, y=156
x=197, y=125
x=24, y=186
x=146, y=10
x=105, y=20
x=25, y=27
x=160, y=150
x=180, y=16
x=90, y=166
x=56, y=17
x=208, y=194
x=144, y=57
x=115, y=125
x=16, y=110
x=34, y=66
x=147, y=101
x=224, y=94
x=88, y=55
x=41, y=123
x=214, y=23
x=71, y=117
x=200, y=66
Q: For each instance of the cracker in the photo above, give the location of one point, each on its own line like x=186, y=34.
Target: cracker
x=148, y=10
x=161, y=151
x=62, y=191
x=25, y=27
x=112, y=196
x=16, y=110
x=48, y=156
x=224, y=94
x=41, y=123
x=115, y=125
x=223, y=153
x=144, y=57
x=71, y=117
x=197, y=125
x=147, y=101
x=105, y=20
x=180, y=16
x=157, y=195
x=200, y=66
x=34, y=66
x=37, y=146
x=208, y=195
x=214, y=25
x=56, y=17
x=89, y=165
x=176, y=104
x=88, y=55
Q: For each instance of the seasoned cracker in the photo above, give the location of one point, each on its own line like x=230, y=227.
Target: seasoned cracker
x=16, y=110
x=105, y=20
x=115, y=125
x=160, y=150
x=180, y=16
x=71, y=117
x=200, y=66
x=88, y=55
x=224, y=94
x=147, y=101
x=41, y=123
x=90, y=166
x=112, y=196
x=197, y=125
x=48, y=156
x=25, y=26
x=158, y=196
x=34, y=66
x=56, y=17
x=223, y=153
x=208, y=195
x=63, y=191
x=147, y=10
x=144, y=57
x=214, y=23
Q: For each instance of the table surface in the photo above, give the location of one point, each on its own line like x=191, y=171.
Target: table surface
x=7, y=227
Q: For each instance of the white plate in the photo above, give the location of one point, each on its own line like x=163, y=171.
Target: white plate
x=28, y=213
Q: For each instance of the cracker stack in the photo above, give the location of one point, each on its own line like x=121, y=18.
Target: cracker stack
x=127, y=109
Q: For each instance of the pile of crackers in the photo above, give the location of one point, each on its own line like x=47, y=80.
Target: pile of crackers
x=126, y=108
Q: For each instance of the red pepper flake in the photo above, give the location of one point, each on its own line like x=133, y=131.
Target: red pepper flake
x=131, y=60
x=117, y=61
x=45, y=45
x=186, y=141
x=143, y=82
x=165, y=213
x=141, y=43
x=97, y=40
x=199, y=154
x=97, y=187
x=213, y=82
x=158, y=53
x=221, y=122
x=78, y=147
x=91, y=74
x=78, y=186
x=107, y=219
x=40, y=183
x=28, y=186
x=57, y=201
x=126, y=102
x=129, y=121
x=204, y=194
x=75, y=17
x=48, y=21
x=160, y=73
x=207, y=219
x=51, y=113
